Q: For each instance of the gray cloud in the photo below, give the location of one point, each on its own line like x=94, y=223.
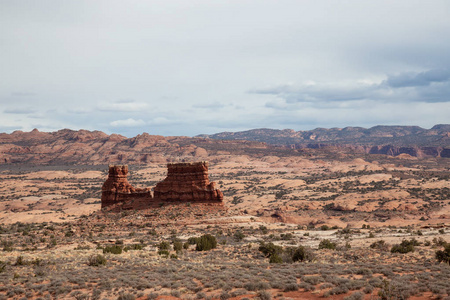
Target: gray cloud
x=411, y=79
x=429, y=86
x=316, y=92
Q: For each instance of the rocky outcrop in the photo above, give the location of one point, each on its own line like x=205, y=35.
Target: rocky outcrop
x=185, y=183
x=117, y=189
x=188, y=182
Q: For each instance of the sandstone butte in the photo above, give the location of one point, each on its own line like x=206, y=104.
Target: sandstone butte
x=185, y=183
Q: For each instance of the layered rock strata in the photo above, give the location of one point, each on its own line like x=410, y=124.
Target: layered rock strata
x=188, y=182
x=117, y=189
x=185, y=182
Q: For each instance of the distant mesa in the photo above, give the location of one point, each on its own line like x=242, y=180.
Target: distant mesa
x=185, y=183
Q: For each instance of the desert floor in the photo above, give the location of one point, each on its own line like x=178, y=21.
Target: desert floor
x=57, y=243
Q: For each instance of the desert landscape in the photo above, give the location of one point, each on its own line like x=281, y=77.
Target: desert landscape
x=224, y=150
x=296, y=223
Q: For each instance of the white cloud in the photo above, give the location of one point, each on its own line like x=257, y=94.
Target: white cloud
x=20, y=110
x=127, y=123
x=123, y=106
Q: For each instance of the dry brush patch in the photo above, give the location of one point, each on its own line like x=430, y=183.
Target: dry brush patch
x=78, y=266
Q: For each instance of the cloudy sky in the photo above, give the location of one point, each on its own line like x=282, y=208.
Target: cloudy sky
x=177, y=67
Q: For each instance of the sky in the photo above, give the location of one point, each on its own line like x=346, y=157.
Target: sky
x=177, y=67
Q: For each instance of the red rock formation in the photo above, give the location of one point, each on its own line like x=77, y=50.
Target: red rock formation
x=185, y=182
x=188, y=182
x=117, y=189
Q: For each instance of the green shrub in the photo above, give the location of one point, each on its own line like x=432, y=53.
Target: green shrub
x=263, y=229
x=405, y=246
x=302, y=254
x=20, y=261
x=444, y=255
x=192, y=240
x=134, y=247
x=206, y=242
x=270, y=249
x=96, y=260
x=7, y=246
x=275, y=259
x=164, y=245
x=177, y=246
x=327, y=244
x=286, y=237
x=380, y=245
x=163, y=253
x=238, y=236
x=324, y=227
x=439, y=241
x=114, y=249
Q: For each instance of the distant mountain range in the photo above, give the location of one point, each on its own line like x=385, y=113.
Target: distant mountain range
x=390, y=140
x=95, y=147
